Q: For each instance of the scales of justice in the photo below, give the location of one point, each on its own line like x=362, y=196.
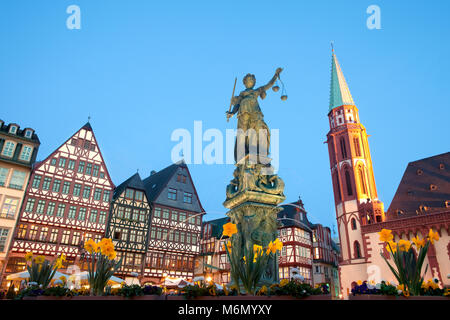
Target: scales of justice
x=254, y=193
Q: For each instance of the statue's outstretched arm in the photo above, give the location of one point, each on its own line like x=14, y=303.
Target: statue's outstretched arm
x=272, y=81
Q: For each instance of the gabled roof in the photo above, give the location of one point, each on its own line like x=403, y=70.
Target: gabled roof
x=157, y=181
x=134, y=182
x=426, y=182
x=290, y=216
x=87, y=126
x=339, y=92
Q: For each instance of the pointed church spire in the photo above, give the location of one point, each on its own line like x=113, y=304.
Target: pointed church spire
x=339, y=93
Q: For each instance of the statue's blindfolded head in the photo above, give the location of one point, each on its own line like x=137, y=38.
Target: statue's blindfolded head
x=249, y=80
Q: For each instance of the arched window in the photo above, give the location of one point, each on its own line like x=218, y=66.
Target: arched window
x=337, y=186
x=362, y=180
x=357, y=146
x=349, y=183
x=343, y=148
x=354, y=224
x=357, y=249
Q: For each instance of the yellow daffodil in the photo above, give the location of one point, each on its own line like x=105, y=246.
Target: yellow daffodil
x=112, y=255
x=359, y=282
x=404, y=245
x=262, y=291
x=278, y=244
x=29, y=256
x=433, y=236
x=91, y=246
x=270, y=248
x=39, y=259
x=257, y=250
x=63, y=279
x=420, y=243
x=229, y=229
x=386, y=235
x=58, y=264
x=391, y=246
x=284, y=282
x=447, y=292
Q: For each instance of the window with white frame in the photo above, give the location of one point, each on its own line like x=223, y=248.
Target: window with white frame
x=3, y=176
x=25, y=155
x=17, y=180
x=28, y=133
x=8, y=149
x=9, y=208
x=13, y=129
x=3, y=237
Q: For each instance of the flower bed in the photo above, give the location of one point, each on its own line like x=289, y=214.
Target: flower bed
x=430, y=290
x=386, y=297
x=251, y=297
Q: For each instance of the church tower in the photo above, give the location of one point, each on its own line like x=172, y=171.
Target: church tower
x=355, y=192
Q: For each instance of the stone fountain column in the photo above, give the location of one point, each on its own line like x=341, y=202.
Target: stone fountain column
x=253, y=197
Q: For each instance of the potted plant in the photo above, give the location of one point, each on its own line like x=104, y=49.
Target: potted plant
x=247, y=267
x=102, y=264
x=407, y=268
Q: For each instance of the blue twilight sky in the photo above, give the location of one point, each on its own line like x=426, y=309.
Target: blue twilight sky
x=141, y=69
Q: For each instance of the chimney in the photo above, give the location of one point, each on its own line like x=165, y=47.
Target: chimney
x=152, y=172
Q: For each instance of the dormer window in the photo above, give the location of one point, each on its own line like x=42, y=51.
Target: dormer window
x=447, y=204
x=13, y=129
x=419, y=172
x=28, y=133
x=8, y=150
x=433, y=187
x=441, y=166
x=423, y=208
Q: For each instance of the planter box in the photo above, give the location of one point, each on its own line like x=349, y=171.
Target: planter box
x=383, y=297
x=46, y=298
x=250, y=297
x=145, y=297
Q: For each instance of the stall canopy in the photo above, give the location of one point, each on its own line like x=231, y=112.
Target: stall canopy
x=25, y=275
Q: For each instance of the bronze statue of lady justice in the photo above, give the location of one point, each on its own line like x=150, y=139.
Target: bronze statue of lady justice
x=253, y=133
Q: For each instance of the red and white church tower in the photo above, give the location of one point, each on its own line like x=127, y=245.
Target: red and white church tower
x=66, y=202
x=355, y=192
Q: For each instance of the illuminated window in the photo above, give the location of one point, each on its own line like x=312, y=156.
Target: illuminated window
x=9, y=208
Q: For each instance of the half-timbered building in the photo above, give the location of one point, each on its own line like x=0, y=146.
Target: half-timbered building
x=18, y=150
x=213, y=260
x=66, y=202
x=129, y=224
x=296, y=236
x=175, y=226
x=325, y=258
